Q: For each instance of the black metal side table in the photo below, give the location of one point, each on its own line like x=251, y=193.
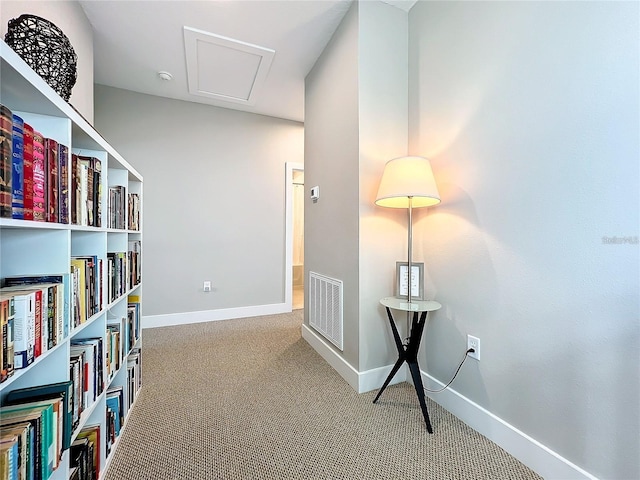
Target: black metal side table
x=409, y=352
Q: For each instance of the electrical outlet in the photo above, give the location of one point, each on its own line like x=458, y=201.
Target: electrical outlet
x=474, y=342
x=206, y=286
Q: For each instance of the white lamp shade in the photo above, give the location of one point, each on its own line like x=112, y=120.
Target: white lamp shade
x=404, y=178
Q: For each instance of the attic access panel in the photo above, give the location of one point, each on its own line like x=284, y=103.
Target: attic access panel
x=225, y=69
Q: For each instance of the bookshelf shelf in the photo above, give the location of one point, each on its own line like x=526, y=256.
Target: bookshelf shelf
x=109, y=329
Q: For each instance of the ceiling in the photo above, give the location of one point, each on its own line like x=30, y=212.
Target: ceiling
x=135, y=40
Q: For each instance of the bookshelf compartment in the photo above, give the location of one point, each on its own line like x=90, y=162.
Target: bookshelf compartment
x=56, y=358
x=25, y=251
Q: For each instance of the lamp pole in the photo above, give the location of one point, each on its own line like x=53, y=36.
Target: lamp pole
x=410, y=241
x=410, y=249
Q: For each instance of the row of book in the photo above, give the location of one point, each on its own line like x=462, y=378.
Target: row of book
x=35, y=312
x=117, y=275
x=32, y=313
x=86, y=275
x=134, y=258
x=35, y=429
x=117, y=207
x=37, y=423
x=41, y=180
x=134, y=211
x=119, y=400
x=123, y=209
x=86, y=370
x=85, y=454
x=122, y=336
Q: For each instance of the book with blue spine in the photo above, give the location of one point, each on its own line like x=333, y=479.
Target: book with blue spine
x=17, y=168
x=114, y=404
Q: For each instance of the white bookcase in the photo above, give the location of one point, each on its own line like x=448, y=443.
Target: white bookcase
x=40, y=248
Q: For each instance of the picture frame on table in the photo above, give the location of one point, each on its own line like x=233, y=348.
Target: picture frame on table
x=417, y=280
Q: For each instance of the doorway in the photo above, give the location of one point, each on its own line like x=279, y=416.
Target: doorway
x=297, y=266
x=294, y=258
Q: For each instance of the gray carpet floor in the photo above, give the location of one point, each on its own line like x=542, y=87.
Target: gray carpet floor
x=250, y=399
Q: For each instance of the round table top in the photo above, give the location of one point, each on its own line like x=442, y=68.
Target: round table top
x=414, y=306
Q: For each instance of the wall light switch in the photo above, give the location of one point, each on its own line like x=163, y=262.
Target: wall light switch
x=206, y=286
x=315, y=193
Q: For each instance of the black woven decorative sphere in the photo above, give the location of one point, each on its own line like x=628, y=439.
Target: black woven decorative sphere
x=46, y=49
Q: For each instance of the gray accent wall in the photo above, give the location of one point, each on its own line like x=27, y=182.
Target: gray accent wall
x=356, y=118
x=529, y=113
x=331, y=162
x=214, y=198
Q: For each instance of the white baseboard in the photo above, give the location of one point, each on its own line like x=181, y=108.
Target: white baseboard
x=360, y=381
x=153, y=321
x=529, y=451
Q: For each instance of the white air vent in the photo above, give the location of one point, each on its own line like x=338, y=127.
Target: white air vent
x=223, y=68
x=325, y=307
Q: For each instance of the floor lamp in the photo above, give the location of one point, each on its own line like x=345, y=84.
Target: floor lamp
x=407, y=182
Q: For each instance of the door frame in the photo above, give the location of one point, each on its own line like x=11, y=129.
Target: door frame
x=288, y=212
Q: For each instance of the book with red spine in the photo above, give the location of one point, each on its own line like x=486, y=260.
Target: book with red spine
x=28, y=171
x=39, y=178
x=37, y=322
x=51, y=174
x=74, y=191
x=6, y=159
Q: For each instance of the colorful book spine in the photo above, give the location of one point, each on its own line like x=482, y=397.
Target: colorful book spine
x=88, y=195
x=39, y=178
x=7, y=315
x=63, y=183
x=74, y=190
x=51, y=174
x=6, y=126
x=17, y=168
x=24, y=325
x=97, y=192
x=28, y=171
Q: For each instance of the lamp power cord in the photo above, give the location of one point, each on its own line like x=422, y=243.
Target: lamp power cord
x=466, y=354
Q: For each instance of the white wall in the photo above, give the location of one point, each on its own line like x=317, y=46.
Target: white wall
x=214, y=184
x=70, y=18
x=529, y=113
